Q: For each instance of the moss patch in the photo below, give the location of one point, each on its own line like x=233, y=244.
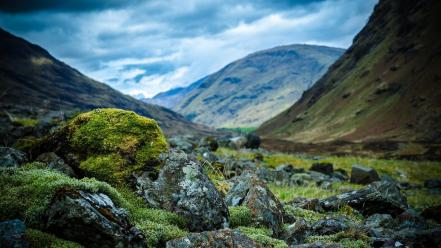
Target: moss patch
x=240, y=216
x=262, y=236
x=112, y=143
x=40, y=239
x=25, y=122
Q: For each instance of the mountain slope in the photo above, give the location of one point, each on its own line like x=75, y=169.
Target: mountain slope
x=257, y=87
x=31, y=78
x=386, y=87
x=170, y=98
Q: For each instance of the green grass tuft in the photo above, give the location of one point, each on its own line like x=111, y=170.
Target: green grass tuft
x=262, y=236
x=37, y=238
x=240, y=216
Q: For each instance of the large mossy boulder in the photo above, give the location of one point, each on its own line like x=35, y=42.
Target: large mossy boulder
x=108, y=144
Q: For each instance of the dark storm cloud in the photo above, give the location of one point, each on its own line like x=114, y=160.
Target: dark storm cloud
x=20, y=6
x=144, y=47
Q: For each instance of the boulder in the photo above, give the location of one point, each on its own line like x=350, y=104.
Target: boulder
x=183, y=187
x=297, y=232
x=182, y=143
x=225, y=238
x=92, y=220
x=363, y=175
x=378, y=197
x=108, y=144
x=329, y=226
x=10, y=157
x=12, y=234
x=416, y=237
x=237, y=142
x=253, y=141
x=234, y=167
x=325, y=168
x=253, y=193
x=378, y=220
x=56, y=163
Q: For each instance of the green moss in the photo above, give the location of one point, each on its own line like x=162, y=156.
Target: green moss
x=25, y=122
x=40, y=239
x=26, y=193
x=34, y=165
x=287, y=193
x=308, y=215
x=349, y=239
x=240, y=216
x=112, y=144
x=262, y=236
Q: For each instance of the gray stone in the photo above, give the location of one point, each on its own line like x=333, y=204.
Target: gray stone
x=92, y=220
x=182, y=143
x=209, y=142
x=12, y=234
x=54, y=162
x=329, y=226
x=297, y=232
x=183, y=187
x=237, y=142
x=378, y=197
x=325, y=168
x=225, y=238
x=363, y=175
x=253, y=193
x=433, y=183
x=378, y=220
x=10, y=157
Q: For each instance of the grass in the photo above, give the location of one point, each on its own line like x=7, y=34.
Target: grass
x=402, y=170
x=244, y=130
x=262, y=236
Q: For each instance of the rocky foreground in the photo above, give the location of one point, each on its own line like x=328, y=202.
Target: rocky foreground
x=109, y=178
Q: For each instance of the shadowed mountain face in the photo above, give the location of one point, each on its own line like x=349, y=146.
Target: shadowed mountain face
x=386, y=87
x=32, y=79
x=253, y=89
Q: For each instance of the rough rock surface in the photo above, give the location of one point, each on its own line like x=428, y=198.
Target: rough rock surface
x=183, y=187
x=91, y=220
x=363, y=175
x=253, y=141
x=12, y=234
x=10, y=157
x=225, y=238
x=329, y=226
x=297, y=232
x=251, y=192
x=53, y=161
x=378, y=197
x=325, y=168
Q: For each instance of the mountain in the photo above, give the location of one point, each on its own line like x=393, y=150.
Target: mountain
x=385, y=88
x=253, y=89
x=170, y=98
x=32, y=79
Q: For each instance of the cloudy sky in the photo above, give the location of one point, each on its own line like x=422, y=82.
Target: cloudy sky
x=146, y=47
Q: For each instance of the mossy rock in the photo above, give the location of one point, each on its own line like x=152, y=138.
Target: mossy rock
x=109, y=144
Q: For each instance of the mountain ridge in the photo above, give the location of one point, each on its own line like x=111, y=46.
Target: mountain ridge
x=250, y=90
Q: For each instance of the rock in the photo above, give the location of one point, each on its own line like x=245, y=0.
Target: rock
x=317, y=244
x=209, y=156
x=433, y=183
x=290, y=169
x=108, y=144
x=253, y=141
x=225, y=238
x=54, y=162
x=304, y=203
x=415, y=237
x=92, y=220
x=300, y=179
x=10, y=157
x=277, y=176
x=183, y=187
x=410, y=218
x=234, y=167
x=363, y=175
x=237, y=142
x=258, y=157
x=182, y=143
x=325, y=168
x=209, y=142
x=251, y=192
x=433, y=213
x=378, y=220
x=297, y=232
x=378, y=197
x=12, y=234
x=329, y=226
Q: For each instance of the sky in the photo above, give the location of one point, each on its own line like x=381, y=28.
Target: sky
x=145, y=47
